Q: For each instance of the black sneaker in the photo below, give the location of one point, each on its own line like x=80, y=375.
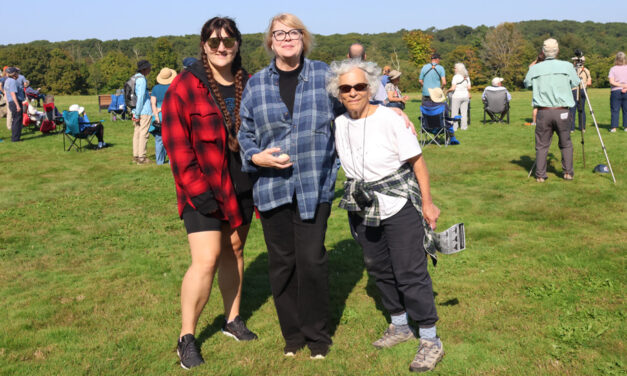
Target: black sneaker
x=188, y=352
x=238, y=330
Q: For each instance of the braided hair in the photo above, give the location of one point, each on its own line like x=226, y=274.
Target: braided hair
x=217, y=24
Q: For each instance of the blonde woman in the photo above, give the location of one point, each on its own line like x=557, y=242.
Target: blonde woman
x=460, y=86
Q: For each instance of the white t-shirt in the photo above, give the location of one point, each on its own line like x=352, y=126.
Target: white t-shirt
x=461, y=88
x=388, y=143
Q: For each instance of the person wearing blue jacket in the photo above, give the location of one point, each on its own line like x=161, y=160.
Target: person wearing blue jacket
x=142, y=113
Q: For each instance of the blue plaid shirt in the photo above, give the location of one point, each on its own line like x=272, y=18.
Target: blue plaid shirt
x=306, y=137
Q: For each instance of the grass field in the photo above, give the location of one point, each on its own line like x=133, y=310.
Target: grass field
x=92, y=254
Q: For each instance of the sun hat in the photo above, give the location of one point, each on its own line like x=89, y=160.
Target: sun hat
x=75, y=107
x=166, y=76
x=11, y=70
x=437, y=95
x=496, y=80
x=394, y=74
x=81, y=110
x=601, y=168
x=435, y=55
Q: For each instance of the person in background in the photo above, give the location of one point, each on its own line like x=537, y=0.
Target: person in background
x=618, y=95
x=460, y=87
x=552, y=82
x=358, y=51
x=579, y=94
x=35, y=94
x=385, y=77
x=164, y=79
x=84, y=126
x=188, y=61
x=200, y=115
x=15, y=99
x=497, y=85
x=432, y=76
x=142, y=113
x=395, y=97
x=383, y=163
x=287, y=142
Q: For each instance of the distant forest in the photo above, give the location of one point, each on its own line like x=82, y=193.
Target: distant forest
x=93, y=66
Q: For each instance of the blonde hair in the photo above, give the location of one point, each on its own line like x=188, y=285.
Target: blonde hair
x=294, y=22
x=620, y=59
x=460, y=68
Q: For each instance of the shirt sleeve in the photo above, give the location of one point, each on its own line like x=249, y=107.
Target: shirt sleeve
x=176, y=138
x=140, y=91
x=408, y=145
x=528, y=77
x=574, y=77
x=246, y=136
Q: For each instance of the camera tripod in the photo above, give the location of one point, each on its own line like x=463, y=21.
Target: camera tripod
x=596, y=125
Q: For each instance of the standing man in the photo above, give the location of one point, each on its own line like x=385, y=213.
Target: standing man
x=579, y=95
x=432, y=76
x=357, y=51
x=15, y=96
x=552, y=81
x=142, y=113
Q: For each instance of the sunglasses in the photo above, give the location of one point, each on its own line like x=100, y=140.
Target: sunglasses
x=214, y=42
x=345, y=89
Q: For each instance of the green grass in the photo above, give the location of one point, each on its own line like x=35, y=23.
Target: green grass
x=92, y=254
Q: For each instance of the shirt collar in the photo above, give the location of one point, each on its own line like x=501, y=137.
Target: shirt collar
x=304, y=73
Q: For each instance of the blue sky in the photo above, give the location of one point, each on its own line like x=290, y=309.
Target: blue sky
x=126, y=19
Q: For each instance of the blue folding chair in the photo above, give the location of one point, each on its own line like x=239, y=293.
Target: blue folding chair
x=435, y=126
x=74, y=135
x=117, y=106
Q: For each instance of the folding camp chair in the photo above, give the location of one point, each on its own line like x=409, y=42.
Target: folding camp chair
x=435, y=126
x=117, y=108
x=52, y=118
x=496, y=105
x=73, y=134
x=31, y=118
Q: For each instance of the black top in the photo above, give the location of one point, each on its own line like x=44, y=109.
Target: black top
x=287, y=85
x=241, y=180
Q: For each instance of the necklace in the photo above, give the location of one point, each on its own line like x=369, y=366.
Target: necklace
x=363, y=146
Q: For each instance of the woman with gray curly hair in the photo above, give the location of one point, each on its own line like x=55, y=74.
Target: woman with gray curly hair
x=387, y=190
x=460, y=99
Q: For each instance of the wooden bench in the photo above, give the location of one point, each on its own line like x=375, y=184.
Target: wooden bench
x=103, y=102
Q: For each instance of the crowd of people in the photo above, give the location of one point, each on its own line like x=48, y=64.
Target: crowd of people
x=237, y=143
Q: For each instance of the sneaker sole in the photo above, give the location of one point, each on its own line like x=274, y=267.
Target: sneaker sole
x=230, y=335
x=181, y=362
x=319, y=356
x=426, y=369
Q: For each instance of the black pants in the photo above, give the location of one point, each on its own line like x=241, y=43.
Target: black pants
x=395, y=257
x=299, y=274
x=16, y=122
x=97, y=129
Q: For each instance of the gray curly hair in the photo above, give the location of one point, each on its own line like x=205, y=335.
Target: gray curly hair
x=338, y=68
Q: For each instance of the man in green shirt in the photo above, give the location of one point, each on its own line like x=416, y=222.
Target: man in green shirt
x=552, y=81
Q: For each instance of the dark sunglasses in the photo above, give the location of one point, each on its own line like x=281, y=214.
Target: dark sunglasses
x=345, y=89
x=214, y=42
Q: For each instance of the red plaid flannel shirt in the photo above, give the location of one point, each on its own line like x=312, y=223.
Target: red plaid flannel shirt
x=194, y=136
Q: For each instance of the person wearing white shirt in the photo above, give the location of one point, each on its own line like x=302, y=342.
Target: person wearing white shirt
x=460, y=86
x=388, y=197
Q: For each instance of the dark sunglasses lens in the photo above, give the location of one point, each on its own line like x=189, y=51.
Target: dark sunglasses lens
x=345, y=89
x=360, y=87
x=214, y=43
x=229, y=42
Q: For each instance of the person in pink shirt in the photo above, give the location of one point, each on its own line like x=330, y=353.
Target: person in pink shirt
x=618, y=95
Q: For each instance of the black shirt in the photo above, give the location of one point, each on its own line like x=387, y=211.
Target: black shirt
x=241, y=180
x=287, y=85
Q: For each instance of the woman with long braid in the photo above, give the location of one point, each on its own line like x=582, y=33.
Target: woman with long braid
x=200, y=124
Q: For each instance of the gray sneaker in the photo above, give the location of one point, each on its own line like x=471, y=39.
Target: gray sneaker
x=429, y=354
x=394, y=335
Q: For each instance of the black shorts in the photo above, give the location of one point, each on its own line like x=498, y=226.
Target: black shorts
x=196, y=222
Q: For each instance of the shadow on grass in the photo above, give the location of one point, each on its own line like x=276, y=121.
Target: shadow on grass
x=526, y=162
x=346, y=267
x=255, y=292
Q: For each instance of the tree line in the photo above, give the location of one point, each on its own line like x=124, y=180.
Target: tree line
x=93, y=66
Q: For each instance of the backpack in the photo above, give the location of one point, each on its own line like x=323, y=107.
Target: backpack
x=130, y=97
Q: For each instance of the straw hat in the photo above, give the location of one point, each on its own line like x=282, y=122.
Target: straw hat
x=394, y=74
x=437, y=95
x=166, y=76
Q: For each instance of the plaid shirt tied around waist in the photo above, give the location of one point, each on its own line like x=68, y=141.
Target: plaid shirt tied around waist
x=402, y=183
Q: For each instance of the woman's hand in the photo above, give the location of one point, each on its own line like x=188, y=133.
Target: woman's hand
x=430, y=213
x=266, y=158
